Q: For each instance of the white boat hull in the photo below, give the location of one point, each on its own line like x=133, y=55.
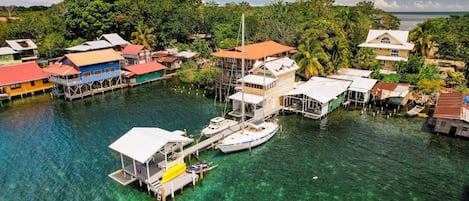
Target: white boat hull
x=227, y=126
x=230, y=146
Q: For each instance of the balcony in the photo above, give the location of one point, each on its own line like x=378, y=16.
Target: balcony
x=91, y=78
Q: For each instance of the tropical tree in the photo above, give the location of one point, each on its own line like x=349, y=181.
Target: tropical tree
x=143, y=35
x=365, y=58
x=422, y=39
x=309, y=57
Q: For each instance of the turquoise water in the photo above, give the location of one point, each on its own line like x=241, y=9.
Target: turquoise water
x=58, y=150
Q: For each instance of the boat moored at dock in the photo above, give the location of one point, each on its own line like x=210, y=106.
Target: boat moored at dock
x=218, y=125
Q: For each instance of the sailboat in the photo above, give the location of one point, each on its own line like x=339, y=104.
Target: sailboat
x=256, y=132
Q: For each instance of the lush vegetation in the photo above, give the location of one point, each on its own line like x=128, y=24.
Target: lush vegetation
x=326, y=36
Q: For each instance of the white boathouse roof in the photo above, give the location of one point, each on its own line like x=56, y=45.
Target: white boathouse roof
x=321, y=89
x=362, y=84
x=141, y=143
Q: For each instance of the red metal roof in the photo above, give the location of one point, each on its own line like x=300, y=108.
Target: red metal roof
x=380, y=86
x=144, y=68
x=255, y=51
x=19, y=73
x=166, y=59
x=159, y=54
x=450, y=106
x=132, y=49
x=59, y=69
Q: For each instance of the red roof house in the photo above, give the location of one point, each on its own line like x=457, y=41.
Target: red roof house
x=145, y=72
x=23, y=78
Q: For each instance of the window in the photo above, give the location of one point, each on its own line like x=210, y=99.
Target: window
x=465, y=129
x=15, y=86
x=113, y=69
x=97, y=72
x=45, y=81
x=382, y=63
x=107, y=70
x=443, y=124
x=385, y=40
x=33, y=83
x=86, y=74
x=394, y=53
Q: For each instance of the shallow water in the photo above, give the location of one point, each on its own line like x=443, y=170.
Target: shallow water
x=58, y=150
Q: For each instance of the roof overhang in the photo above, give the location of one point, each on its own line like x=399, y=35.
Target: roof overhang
x=248, y=98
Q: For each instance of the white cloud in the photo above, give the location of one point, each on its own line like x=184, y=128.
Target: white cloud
x=427, y=5
x=385, y=5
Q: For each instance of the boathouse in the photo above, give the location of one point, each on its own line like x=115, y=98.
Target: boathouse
x=9, y=56
x=86, y=73
x=229, y=62
x=393, y=93
x=25, y=47
x=21, y=79
x=317, y=97
x=451, y=116
x=263, y=88
x=136, y=54
x=145, y=155
x=143, y=73
x=360, y=89
x=389, y=46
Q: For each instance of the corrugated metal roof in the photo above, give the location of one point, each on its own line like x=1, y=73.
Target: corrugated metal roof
x=94, y=57
x=248, y=98
x=277, y=66
x=21, y=44
x=59, y=69
x=255, y=51
x=257, y=79
x=450, y=106
x=7, y=51
x=144, y=68
x=132, y=49
x=115, y=39
x=18, y=73
x=321, y=89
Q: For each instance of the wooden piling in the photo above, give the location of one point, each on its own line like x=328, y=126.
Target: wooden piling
x=163, y=195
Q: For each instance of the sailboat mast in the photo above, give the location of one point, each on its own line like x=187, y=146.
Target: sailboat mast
x=242, y=74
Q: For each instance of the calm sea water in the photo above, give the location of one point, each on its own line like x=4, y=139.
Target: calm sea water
x=409, y=20
x=58, y=150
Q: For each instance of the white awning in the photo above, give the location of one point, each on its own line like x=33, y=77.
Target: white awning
x=248, y=98
x=257, y=79
x=141, y=143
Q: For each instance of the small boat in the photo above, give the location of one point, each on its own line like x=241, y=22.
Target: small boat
x=196, y=167
x=218, y=125
x=414, y=111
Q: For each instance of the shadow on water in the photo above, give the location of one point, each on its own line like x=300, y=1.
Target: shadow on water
x=465, y=195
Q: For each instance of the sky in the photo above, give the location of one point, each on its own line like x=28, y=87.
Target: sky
x=387, y=5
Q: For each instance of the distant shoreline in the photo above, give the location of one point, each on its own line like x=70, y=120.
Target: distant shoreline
x=431, y=12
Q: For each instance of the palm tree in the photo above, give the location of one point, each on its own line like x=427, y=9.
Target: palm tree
x=309, y=58
x=422, y=40
x=143, y=35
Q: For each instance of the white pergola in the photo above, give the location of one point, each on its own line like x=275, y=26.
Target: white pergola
x=142, y=143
